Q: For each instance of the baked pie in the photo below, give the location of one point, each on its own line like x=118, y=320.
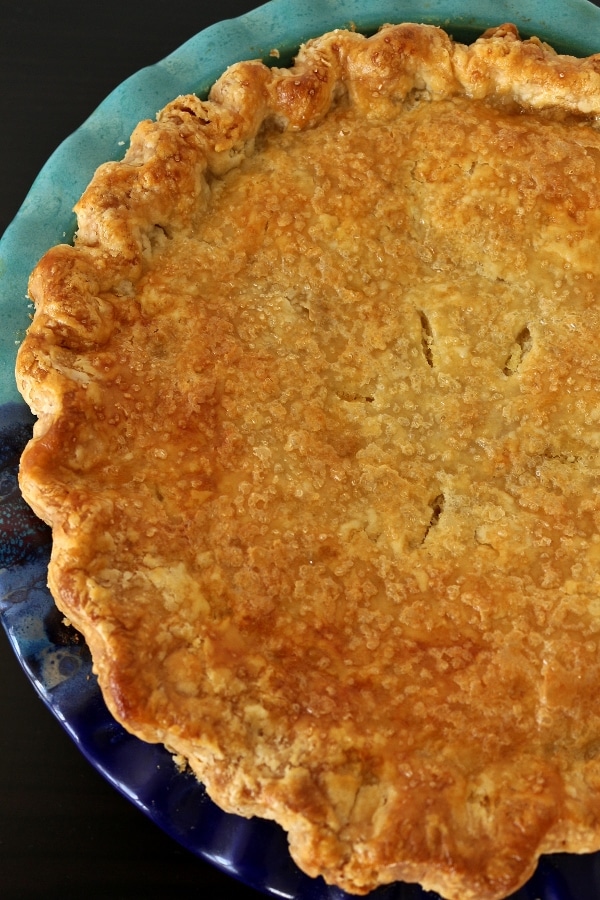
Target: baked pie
x=318, y=400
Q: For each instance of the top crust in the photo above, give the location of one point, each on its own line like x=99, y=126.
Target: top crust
x=316, y=395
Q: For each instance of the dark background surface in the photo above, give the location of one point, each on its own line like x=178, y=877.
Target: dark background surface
x=64, y=831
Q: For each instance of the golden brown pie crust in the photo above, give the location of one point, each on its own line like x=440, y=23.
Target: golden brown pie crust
x=318, y=390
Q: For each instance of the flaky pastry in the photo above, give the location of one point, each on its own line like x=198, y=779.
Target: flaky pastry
x=318, y=399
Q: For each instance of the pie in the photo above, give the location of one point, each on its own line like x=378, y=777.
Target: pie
x=318, y=400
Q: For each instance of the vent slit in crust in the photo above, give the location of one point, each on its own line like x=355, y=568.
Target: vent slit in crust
x=426, y=338
x=523, y=345
x=437, y=508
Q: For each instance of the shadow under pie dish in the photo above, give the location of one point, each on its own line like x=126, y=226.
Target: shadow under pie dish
x=316, y=392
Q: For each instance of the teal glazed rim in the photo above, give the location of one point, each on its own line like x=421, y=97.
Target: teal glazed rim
x=46, y=216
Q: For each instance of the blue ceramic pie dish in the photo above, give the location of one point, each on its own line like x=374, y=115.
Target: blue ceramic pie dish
x=53, y=655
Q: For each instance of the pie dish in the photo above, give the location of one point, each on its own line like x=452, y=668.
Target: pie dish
x=73, y=344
